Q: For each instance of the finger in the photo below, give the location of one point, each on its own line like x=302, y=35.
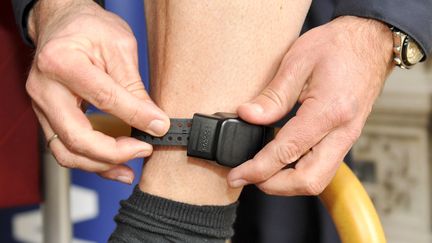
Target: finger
x=78, y=73
x=281, y=94
x=77, y=134
x=67, y=159
x=315, y=170
x=120, y=173
x=313, y=121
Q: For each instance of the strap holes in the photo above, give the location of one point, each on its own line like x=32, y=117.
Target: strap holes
x=170, y=138
x=179, y=138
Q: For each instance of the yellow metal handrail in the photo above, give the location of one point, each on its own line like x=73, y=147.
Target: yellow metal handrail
x=352, y=210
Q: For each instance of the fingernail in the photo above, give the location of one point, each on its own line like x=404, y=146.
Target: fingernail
x=238, y=183
x=158, y=127
x=125, y=179
x=255, y=107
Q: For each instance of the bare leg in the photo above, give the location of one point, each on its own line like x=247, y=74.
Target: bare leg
x=210, y=56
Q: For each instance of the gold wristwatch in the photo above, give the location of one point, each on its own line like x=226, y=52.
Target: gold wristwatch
x=406, y=51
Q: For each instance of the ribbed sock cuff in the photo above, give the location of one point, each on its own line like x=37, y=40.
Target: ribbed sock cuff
x=159, y=215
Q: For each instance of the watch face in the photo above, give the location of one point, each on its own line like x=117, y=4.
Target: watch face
x=413, y=53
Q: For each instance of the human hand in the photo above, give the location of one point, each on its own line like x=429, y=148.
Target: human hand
x=86, y=53
x=335, y=72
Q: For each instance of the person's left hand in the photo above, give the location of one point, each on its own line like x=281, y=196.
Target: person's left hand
x=335, y=71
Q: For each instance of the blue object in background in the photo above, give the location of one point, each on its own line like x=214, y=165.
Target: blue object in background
x=133, y=12
x=8, y=220
x=109, y=193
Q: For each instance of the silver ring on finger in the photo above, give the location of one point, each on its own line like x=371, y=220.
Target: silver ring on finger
x=52, y=138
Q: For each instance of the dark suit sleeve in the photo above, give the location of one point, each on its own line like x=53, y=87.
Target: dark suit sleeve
x=413, y=17
x=21, y=9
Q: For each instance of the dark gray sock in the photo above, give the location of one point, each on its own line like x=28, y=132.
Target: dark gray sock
x=147, y=218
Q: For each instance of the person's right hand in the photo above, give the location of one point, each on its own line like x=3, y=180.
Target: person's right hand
x=86, y=53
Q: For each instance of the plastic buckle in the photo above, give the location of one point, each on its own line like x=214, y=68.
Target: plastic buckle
x=226, y=139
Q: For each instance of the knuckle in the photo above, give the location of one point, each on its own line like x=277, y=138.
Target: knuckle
x=135, y=86
x=353, y=134
x=114, y=155
x=65, y=161
x=58, y=56
x=260, y=174
x=343, y=111
x=127, y=42
x=105, y=98
x=115, y=158
x=287, y=153
x=31, y=87
x=105, y=169
x=276, y=97
x=269, y=190
x=72, y=142
x=291, y=69
x=133, y=117
x=313, y=186
x=48, y=58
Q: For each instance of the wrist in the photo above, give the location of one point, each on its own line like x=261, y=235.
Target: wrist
x=371, y=34
x=45, y=12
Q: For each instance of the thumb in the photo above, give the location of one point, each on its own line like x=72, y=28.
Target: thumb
x=279, y=97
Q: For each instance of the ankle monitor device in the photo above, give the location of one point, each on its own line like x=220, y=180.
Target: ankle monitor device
x=221, y=137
